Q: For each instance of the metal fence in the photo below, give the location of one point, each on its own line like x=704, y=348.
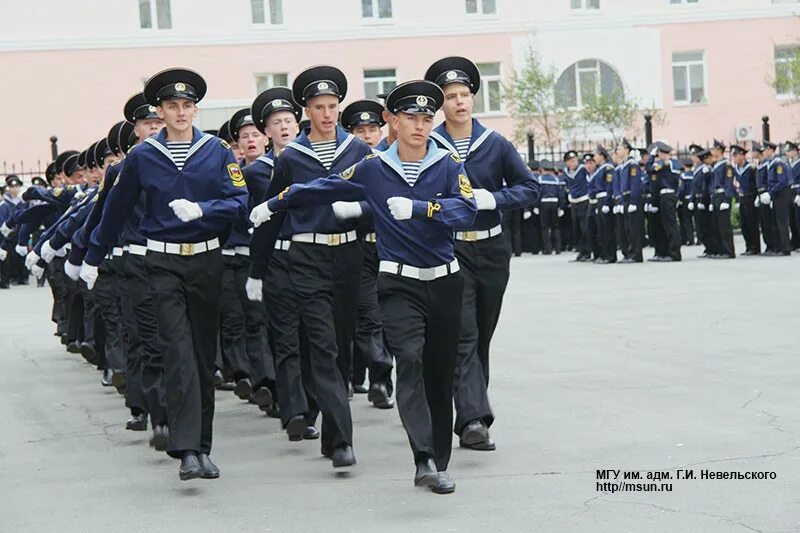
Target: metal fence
x=23, y=170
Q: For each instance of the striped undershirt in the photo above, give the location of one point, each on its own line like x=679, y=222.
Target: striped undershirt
x=325, y=150
x=411, y=171
x=178, y=150
x=462, y=146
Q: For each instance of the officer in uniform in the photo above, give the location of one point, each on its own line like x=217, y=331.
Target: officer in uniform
x=778, y=196
x=550, y=206
x=631, y=204
x=419, y=195
x=502, y=182
x=576, y=177
x=665, y=176
x=592, y=235
x=745, y=181
x=193, y=188
x=600, y=189
x=685, y=197
x=11, y=202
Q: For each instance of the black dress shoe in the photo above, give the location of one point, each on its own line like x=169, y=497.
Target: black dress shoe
x=444, y=483
x=210, y=470
x=627, y=261
x=379, y=396
x=137, y=422
x=263, y=398
x=311, y=433
x=475, y=436
x=360, y=389
x=160, y=438
x=273, y=412
x=217, y=379
x=120, y=382
x=89, y=353
x=190, y=467
x=227, y=385
x=64, y=339
x=74, y=347
x=426, y=475
x=325, y=452
x=108, y=375
x=343, y=456
x=295, y=428
x=243, y=389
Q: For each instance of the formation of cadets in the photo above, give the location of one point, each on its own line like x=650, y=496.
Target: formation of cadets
x=602, y=204
x=292, y=265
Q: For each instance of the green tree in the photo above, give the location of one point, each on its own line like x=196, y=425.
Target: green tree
x=787, y=72
x=614, y=112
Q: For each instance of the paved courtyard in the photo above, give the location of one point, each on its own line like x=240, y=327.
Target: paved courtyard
x=648, y=368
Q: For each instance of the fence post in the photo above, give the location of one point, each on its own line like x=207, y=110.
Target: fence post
x=531, y=149
x=765, y=127
x=648, y=129
x=54, y=147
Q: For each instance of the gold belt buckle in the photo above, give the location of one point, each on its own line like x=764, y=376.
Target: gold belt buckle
x=470, y=235
x=187, y=249
x=334, y=240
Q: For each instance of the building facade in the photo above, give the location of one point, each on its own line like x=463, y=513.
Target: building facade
x=708, y=66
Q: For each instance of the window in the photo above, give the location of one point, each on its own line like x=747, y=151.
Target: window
x=266, y=11
x=376, y=9
x=162, y=12
x=269, y=80
x=688, y=77
x=582, y=82
x=676, y=2
x=489, y=98
x=481, y=7
x=584, y=4
x=787, y=71
x=379, y=81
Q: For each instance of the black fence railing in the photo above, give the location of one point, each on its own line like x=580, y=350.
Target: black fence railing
x=23, y=170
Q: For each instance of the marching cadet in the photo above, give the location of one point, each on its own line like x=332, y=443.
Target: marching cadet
x=419, y=195
x=550, y=207
x=745, y=185
x=665, y=176
x=324, y=263
x=685, y=197
x=620, y=183
x=701, y=185
x=791, y=155
x=592, y=235
x=632, y=204
x=778, y=196
x=601, y=190
x=577, y=178
x=12, y=202
x=193, y=188
x=502, y=182
x=722, y=199
x=765, y=214
x=364, y=119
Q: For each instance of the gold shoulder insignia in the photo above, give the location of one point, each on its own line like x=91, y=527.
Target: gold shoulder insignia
x=235, y=174
x=465, y=186
x=455, y=157
x=348, y=172
x=225, y=144
x=57, y=191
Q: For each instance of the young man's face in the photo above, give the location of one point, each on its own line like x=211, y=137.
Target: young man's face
x=572, y=163
x=791, y=154
x=696, y=160
x=768, y=153
x=591, y=165
x=458, y=102
x=77, y=177
x=413, y=130
x=177, y=114
x=323, y=112
x=282, y=128
x=13, y=190
x=621, y=153
x=251, y=142
x=57, y=181
x=387, y=117
x=370, y=134
x=147, y=127
x=739, y=159
x=663, y=156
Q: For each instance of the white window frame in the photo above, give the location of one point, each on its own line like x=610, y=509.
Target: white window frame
x=267, y=24
x=584, y=7
x=484, y=94
x=153, y=7
x=375, y=18
x=687, y=65
x=381, y=80
x=480, y=10
x=683, y=2
x=270, y=77
x=790, y=95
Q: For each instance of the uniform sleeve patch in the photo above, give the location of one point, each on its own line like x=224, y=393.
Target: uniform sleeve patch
x=235, y=174
x=465, y=186
x=779, y=170
x=348, y=172
x=609, y=177
x=634, y=170
x=730, y=172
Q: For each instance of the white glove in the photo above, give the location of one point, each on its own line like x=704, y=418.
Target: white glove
x=484, y=200
x=400, y=208
x=254, y=288
x=757, y=203
x=653, y=209
x=3, y=255
x=710, y=208
x=260, y=214
x=724, y=206
x=766, y=199
x=701, y=207
x=73, y=272
x=690, y=206
x=797, y=200
x=37, y=271
x=605, y=209
x=89, y=275
x=535, y=210
x=526, y=215
x=186, y=210
x=79, y=195
x=47, y=252
x=21, y=250
x=345, y=210
x=646, y=208
x=560, y=212
x=632, y=208
x=5, y=230
x=62, y=252
x=31, y=259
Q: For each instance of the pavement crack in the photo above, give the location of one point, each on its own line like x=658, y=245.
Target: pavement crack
x=751, y=400
x=25, y=355
x=97, y=423
x=742, y=458
x=772, y=422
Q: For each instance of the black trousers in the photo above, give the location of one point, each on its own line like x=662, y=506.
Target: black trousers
x=619, y=234
x=369, y=351
x=74, y=310
x=485, y=271
x=794, y=222
x=668, y=218
x=13, y=268
x=634, y=228
x=109, y=309
x=766, y=218
x=346, y=288
x=713, y=236
x=686, y=221
x=531, y=234
x=512, y=230
x=748, y=213
x=724, y=225
x=699, y=224
x=580, y=221
x=782, y=205
x=608, y=235
x=317, y=273
x=593, y=231
x=232, y=320
x=186, y=293
x=551, y=233
x=422, y=322
x=57, y=280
